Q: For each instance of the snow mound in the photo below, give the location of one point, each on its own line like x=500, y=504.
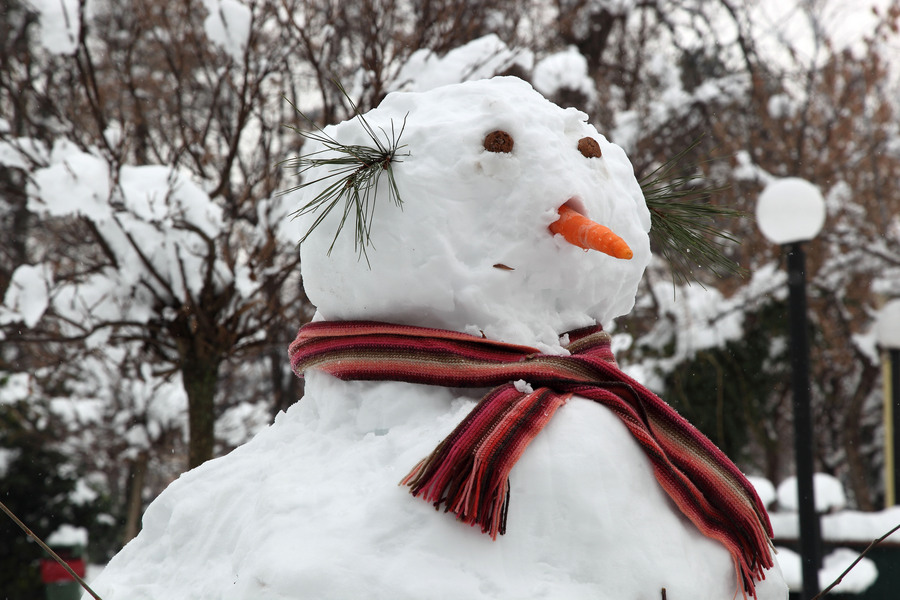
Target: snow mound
x=310, y=508
x=828, y=491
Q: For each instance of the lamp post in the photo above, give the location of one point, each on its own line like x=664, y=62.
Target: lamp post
x=789, y=212
x=887, y=331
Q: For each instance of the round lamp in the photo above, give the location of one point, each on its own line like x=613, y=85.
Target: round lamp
x=887, y=325
x=790, y=210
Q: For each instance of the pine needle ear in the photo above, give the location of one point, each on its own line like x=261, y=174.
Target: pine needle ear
x=353, y=173
x=683, y=222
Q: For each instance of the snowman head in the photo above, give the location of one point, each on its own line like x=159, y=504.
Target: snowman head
x=470, y=248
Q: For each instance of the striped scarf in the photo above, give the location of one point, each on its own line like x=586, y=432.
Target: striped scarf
x=468, y=472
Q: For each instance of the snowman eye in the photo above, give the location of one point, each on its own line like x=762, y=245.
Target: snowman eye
x=498, y=141
x=589, y=147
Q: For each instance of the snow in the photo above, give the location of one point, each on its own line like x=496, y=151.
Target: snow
x=837, y=526
x=7, y=457
x=157, y=208
x=480, y=58
x=764, y=489
x=239, y=423
x=791, y=33
x=59, y=24
x=566, y=70
x=455, y=190
x=228, y=26
x=887, y=325
x=827, y=489
x=311, y=507
x=83, y=493
x=15, y=388
x=857, y=526
x=68, y=535
x=523, y=386
x=19, y=152
x=790, y=210
x=834, y=564
x=696, y=319
x=27, y=296
x=75, y=182
x=780, y=106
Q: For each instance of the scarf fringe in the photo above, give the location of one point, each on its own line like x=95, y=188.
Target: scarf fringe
x=469, y=471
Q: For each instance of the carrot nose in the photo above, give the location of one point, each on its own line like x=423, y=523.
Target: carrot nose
x=584, y=233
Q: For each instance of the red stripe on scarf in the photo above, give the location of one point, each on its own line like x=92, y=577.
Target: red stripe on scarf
x=469, y=470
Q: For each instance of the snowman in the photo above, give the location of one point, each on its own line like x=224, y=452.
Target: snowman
x=457, y=362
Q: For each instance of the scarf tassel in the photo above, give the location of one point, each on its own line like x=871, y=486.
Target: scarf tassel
x=469, y=471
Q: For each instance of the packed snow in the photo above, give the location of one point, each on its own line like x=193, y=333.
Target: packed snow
x=311, y=508
x=465, y=210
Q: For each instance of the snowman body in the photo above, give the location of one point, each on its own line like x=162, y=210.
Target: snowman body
x=311, y=507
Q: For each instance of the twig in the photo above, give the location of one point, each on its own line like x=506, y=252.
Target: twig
x=664, y=594
x=55, y=556
x=854, y=563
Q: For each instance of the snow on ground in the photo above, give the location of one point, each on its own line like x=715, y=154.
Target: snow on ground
x=838, y=526
x=827, y=489
x=858, y=580
x=765, y=489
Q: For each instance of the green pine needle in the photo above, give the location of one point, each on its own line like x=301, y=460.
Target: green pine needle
x=354, y=172
x=683, y=223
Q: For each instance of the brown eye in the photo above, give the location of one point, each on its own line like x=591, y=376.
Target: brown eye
x=498, y=141
x=589, y=147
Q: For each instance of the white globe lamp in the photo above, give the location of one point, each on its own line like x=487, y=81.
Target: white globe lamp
x=790, y=210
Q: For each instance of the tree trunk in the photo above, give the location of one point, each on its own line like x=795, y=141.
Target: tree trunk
x=200, y=378
x=135, y=506
x=853, y=439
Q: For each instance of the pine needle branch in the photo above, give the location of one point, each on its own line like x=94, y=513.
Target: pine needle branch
x=683, y=222
x=353, y=173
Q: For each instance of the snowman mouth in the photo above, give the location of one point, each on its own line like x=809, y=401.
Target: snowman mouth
x=580, y=231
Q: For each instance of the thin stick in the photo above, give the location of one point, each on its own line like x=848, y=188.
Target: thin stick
x=49, y=551
x=855, y=562
x=664, y=594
